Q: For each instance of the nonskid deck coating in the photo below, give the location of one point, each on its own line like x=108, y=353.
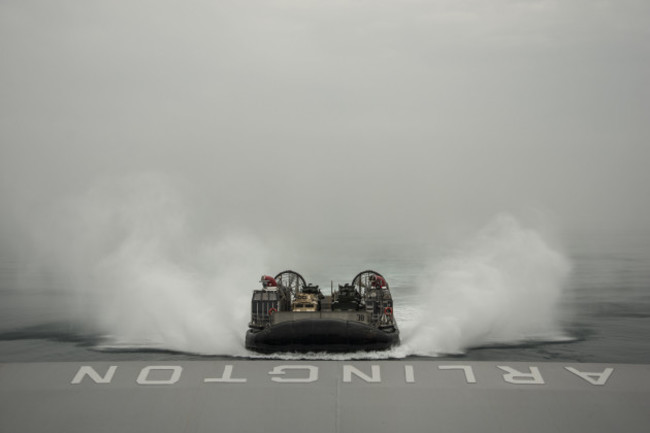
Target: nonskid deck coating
x=329, y=396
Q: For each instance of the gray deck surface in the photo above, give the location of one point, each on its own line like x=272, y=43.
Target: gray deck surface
x=323, y=396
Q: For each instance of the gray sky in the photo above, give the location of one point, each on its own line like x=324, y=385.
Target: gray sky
x=334, y=115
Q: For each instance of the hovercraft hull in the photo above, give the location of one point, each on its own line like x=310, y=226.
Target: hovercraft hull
x=320, y=335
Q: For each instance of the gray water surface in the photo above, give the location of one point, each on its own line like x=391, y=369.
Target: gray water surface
x=605, y=306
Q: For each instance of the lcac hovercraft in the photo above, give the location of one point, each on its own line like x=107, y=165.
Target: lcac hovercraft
x=289, y=315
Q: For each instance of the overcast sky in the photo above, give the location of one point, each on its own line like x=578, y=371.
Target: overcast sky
x=334, y=115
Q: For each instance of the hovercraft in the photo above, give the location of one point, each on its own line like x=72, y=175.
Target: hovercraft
x=289, y=315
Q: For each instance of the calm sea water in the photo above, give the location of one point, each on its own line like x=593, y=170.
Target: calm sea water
x=602, y=313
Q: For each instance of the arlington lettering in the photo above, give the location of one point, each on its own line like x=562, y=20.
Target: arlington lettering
x=170, y=374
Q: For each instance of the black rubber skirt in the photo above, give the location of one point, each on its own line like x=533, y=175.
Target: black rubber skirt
x=321, y=335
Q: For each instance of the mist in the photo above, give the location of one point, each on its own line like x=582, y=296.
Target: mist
x=167, y=145
x=346, y=116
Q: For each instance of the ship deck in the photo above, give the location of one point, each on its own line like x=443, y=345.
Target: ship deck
x=327, y=396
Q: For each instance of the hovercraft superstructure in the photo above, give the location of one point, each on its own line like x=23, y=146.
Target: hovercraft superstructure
x=289, y=315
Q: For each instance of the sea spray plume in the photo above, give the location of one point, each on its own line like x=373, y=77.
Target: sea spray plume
x=143, y=277
x=188, y=308
x=503, y=287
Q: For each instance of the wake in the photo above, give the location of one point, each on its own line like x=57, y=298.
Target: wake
x=142, y=279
